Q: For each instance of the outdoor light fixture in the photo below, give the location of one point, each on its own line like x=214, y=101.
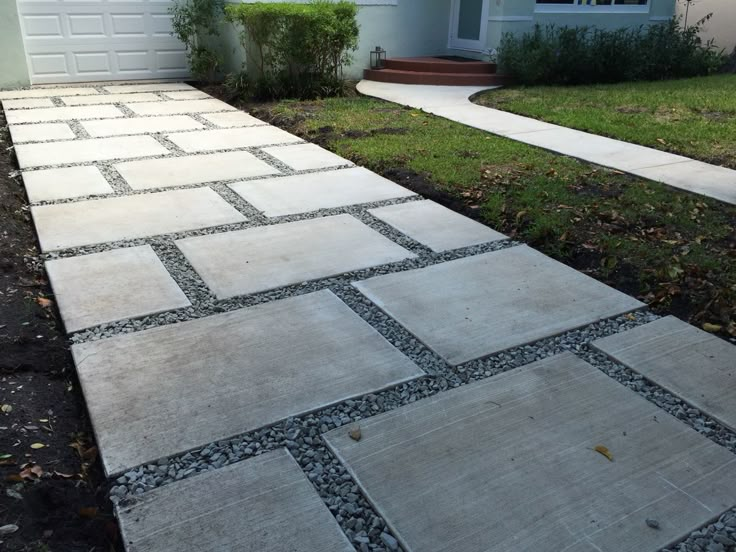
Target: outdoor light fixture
x=378, y=58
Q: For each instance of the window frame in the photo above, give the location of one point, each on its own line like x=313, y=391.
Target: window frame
x=578, y=7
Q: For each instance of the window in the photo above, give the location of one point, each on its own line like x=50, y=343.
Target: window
x=562, y=6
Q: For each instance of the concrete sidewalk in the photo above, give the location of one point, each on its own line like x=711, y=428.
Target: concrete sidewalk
x=452, y=102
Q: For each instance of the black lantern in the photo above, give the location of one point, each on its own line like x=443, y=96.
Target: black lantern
x=378, y=58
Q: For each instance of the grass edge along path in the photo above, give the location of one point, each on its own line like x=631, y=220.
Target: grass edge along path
x=674, y=250
x=693, y=117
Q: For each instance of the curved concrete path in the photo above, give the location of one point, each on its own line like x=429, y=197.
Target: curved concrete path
x=452, y=102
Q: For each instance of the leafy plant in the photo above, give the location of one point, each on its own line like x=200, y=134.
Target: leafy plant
x=297, y=49
x=196, y=23
x=586, y=55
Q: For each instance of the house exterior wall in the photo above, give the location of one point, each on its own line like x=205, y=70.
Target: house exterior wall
x=721, y=27
x=13, y=69
x=404, y=28
x=520, y=16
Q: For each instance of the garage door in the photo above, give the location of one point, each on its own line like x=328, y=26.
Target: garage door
x=94, y=40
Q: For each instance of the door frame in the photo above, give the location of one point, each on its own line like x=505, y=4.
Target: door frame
x=454, y=43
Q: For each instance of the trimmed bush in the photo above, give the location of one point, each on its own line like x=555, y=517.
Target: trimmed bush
x=297, y=50
x=588, y=55
x=195, y=23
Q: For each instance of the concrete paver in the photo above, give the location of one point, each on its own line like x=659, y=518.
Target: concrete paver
x=264, y=503
x=509, y=463
x=65, y=183
x=119, y=218
x=476, y=306
x=268, y=257
x=231, y=372
x=113, y=285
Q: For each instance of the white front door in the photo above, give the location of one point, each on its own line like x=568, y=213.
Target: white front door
x=468, y=25
x=94, y=40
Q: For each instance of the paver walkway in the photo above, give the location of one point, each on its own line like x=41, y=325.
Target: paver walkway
x=280, y=351
x=452, y=102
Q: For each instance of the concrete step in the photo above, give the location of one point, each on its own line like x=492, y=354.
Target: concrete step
x=439, y=65
x=433, y=77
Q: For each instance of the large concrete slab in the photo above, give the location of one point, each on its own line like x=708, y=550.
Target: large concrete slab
x=46, y=92
x=303, y=157
x=153, y=87
x=110, y=286
x=86, y=151
x=49, y=114
x=179, y=107
x=231, y=138
x=697, y=177
x=232, y=119
x=104, y=220
x=435, y=226
x=309, y=192
x=110, y=99
x=193, y=169
x=696, y=366
x=40, y=132
x=186, y=95
x=509, y=464
x=173, y=388
x=27, y=103
x=65, y=183
x=476, y=306
x=268, y=257
x=261, y=504
x=142, y=125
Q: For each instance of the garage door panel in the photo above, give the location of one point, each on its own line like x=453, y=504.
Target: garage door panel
x=86, y=40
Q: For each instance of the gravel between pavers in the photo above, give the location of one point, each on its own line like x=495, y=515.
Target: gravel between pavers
x=302, y=435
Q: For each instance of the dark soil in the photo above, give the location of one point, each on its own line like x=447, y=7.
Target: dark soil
x=55, y=494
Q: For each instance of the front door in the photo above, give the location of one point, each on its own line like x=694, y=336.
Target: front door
x=468, y=25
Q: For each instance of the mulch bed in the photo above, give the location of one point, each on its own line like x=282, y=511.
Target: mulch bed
x=53, y=487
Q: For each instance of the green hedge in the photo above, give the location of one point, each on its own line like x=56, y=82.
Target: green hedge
x=299, y=50
x=588, y=55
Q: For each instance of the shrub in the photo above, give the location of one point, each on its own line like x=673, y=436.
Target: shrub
x=195, y=23
x=587, y=55
x=296, y=49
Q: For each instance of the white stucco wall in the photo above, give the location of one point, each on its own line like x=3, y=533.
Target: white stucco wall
x=721, y=27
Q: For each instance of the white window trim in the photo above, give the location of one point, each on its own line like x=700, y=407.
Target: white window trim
x=581, y=8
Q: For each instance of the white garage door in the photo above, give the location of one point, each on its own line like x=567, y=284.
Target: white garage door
x=96, y=40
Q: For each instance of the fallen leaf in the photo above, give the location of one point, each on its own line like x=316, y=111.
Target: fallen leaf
x=604, y=451
x=36, y=446
x=712, y=328
x=661, y=141
x=88, y=513
x=31, y=472
x=6, y=408
x=44, y=302
x=8, y=529
x=355, y=433
x=653, y=523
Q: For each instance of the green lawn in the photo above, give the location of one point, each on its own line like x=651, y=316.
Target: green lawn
x=692, y=117
x=670, y=248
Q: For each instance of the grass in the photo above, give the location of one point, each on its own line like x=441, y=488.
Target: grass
x=671, y=249
x=692, y=117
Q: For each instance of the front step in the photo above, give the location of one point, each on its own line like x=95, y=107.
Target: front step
x=434, y=77
x=439, y=65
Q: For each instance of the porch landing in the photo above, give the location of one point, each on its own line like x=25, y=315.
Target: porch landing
x=437, y=71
